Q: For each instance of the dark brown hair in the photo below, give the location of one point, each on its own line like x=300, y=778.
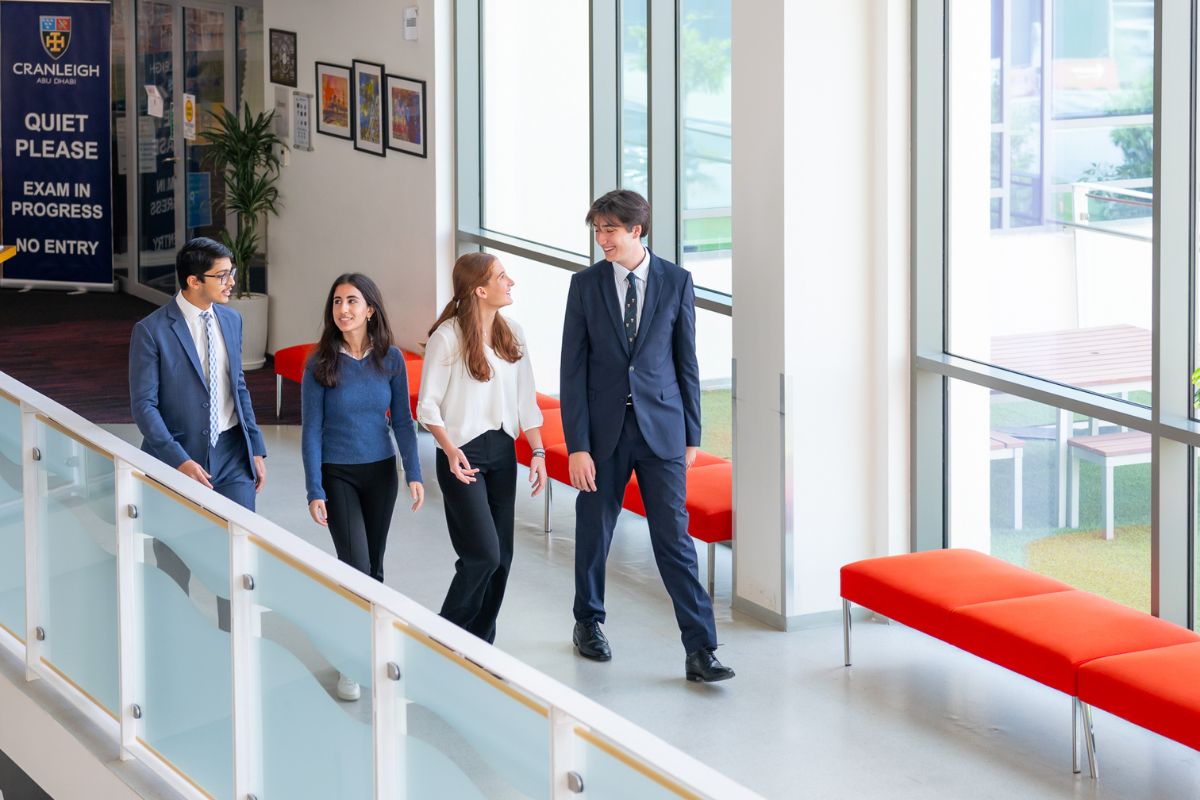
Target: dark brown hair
x=324, y=362
x=624, y=206
x=472, y=271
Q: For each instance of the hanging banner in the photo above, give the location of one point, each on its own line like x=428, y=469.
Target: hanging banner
x=55, y=143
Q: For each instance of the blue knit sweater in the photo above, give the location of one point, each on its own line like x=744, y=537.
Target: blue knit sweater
x=346, y=424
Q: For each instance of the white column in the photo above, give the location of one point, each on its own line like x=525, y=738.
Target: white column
x=820, y=229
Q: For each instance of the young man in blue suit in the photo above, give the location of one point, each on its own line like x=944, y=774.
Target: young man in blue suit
x=630, y=392
x=186, y=386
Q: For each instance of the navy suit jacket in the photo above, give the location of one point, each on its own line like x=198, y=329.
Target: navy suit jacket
x=168, y=393
x=600, y=370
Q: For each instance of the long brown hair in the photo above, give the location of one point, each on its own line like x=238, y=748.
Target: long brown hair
x=471, y=272
x=325, y=359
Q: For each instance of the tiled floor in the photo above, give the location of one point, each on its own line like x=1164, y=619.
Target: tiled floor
x=914, y=718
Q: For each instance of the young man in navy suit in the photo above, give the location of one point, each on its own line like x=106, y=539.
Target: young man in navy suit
x=630, y=392
x=186, y=387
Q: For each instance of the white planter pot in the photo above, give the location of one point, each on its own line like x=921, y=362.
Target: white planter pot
x=253, y=309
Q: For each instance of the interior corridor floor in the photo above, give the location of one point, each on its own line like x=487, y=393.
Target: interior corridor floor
x=913, y=718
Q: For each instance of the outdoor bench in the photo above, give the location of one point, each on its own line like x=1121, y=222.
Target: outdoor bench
x=1095, y=650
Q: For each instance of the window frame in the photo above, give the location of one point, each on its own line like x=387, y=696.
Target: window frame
x=1169, y=418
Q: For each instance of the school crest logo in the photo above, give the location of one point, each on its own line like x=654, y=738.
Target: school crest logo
x=56, y=35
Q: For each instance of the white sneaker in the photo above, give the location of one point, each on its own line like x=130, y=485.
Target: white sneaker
x=347, y=688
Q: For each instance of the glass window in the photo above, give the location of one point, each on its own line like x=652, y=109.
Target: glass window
x=714, y=350
x=635, y=134
x=539, y=305
x=535, y=79
x=1072, y=302
x=705, y=108
x=1082, y=517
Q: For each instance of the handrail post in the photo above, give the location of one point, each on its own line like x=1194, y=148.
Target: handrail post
x=33, y=484
x=562, y=753
x=244, y=635
x=389, y=717
x=131, y=644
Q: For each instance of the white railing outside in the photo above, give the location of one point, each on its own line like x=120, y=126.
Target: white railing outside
x=207, y=641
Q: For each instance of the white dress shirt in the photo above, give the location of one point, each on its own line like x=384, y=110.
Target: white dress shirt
x=226, y=412
x=450, y=398
x=620, y=274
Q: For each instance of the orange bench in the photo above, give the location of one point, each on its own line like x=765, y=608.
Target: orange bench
x=1031, y=624
x=290, y=363
x=709, y=485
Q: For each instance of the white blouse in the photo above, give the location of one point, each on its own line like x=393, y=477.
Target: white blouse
x=452, y=399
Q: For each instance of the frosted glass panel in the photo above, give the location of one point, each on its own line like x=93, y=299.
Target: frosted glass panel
x=12, y=522
x=466, y=730
x=606, y=775
x=79, y=565
x=314, y=745
x=184, y=576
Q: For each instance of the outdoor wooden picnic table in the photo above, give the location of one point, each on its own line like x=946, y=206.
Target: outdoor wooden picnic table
x=1109, y=359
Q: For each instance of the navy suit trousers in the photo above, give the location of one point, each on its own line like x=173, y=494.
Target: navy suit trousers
x=664, y=488
x=226, y=463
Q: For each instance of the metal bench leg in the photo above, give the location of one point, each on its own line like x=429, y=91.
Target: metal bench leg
x=546, y=503
x=1109, y=522
x=712, y=570
x=1073, y=469
x=1075, y=735
x=1018, y=500
x=846, y=629
x=1089, y=739
x=278, y=394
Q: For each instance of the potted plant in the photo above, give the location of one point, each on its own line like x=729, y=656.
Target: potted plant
x=246, y=151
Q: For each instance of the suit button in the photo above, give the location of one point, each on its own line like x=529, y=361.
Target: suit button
x=206, y=405
x=631, y=369
x=206, y=431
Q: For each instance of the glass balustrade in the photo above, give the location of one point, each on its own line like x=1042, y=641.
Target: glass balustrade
x=146, y=598
x=12, y=520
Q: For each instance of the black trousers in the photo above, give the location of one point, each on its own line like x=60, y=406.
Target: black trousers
x=359, y=499
x=480, y=519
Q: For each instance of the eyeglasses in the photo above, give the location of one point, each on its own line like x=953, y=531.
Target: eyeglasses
x=223, y=277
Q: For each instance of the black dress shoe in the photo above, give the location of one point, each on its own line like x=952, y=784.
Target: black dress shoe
x=702, y=665
x=590, y=641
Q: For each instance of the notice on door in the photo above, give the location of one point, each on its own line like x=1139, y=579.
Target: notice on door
x=56, y=155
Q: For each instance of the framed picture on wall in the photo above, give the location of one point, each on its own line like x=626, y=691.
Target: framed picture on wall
x=370, y=112
x=335, y=110
x=283, y=57
x=406, y=115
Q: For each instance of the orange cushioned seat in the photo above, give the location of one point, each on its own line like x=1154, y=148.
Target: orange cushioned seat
x=289, y=363
x=545, y=401
x=1048, y=636
x=412, y=366
x=922, y=590
x=558, y=463
x=709, y=499
x=1157, y=689
x=552, y=434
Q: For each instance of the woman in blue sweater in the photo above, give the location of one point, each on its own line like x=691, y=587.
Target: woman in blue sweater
x=352, y=380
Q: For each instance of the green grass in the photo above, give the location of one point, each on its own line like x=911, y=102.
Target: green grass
x=1117, y=569
x=716, y=422
x=707, y=233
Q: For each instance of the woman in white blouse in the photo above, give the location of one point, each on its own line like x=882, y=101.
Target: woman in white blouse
x=477, y=395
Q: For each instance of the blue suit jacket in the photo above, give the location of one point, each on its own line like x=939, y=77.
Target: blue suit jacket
x=599, y=369
x=167, y=391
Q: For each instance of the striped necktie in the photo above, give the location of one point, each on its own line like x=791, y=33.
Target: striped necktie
x=210, y=334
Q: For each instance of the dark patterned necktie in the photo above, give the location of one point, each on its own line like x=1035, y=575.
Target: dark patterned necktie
x=631, y=308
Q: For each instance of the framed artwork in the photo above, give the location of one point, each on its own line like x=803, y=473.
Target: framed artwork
x=406, y=115
x=335, y=110
x=283, y=57
x=370, y=112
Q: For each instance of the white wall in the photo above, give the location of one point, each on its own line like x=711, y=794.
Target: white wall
x=348, y=211
x=820, y=211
